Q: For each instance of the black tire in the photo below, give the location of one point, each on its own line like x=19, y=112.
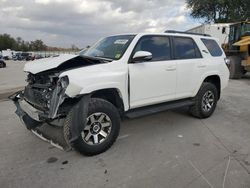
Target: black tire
x=96, y=106
x=235, y=67
x=2, y=64
x=197, y=109
x=244, y=72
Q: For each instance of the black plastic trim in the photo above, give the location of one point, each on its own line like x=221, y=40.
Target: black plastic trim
x=152, y=109
x=79, y=114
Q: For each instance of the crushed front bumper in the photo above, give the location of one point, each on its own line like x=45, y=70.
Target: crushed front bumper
x=28, y=115
x=35, y=121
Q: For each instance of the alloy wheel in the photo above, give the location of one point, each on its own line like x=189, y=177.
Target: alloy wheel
x=97, y=129
x=208, y=100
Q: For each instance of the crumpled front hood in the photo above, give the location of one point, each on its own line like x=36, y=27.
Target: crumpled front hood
x=41, y=65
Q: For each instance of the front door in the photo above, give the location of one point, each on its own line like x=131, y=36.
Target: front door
x=153, y=81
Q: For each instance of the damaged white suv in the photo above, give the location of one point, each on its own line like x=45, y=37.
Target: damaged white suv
x=77, y=101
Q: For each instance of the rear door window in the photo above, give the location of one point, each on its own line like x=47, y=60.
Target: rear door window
x=213, y=47
x=185, y=48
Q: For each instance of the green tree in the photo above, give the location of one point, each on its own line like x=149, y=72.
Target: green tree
x=37, y=45
x=7, y=42
x=220, y=11
x=25, y=46
x=74, y=47
x=19, y=43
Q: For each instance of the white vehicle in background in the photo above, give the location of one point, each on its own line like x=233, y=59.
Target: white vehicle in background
x=7, y=54
x=220, y=31
x=83, y=97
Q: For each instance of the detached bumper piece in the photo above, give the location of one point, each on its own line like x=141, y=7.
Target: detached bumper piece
x=52, y=134
x=33, y=121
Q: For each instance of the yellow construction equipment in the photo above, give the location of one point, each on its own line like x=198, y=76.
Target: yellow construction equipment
x=238, y=49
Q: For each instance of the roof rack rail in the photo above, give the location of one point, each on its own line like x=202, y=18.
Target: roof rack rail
x=189, y=33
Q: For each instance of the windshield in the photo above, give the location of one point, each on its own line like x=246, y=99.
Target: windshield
x=110, y=47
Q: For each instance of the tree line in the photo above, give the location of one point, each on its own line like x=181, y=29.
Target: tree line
x=18, y=44
x=220, y=11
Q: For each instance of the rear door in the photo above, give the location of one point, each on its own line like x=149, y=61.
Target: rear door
x=190, y=65
x=153, y=81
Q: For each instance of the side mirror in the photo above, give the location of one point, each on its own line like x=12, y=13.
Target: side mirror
x=142, y=56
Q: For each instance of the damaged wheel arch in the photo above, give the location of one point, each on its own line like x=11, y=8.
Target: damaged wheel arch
x=80, y=106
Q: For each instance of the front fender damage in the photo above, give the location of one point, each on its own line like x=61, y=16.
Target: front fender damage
x=56, y=135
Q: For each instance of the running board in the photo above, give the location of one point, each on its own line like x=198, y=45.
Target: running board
x=143, y=111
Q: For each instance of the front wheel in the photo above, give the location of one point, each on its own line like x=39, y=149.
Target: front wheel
x=205, y=101
x=101, y=128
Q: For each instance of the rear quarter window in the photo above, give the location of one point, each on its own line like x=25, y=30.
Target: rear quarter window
x=213, y=47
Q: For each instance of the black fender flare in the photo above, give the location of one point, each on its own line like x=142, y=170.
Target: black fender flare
x=78, y=117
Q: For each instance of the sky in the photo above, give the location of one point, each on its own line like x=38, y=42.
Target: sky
x=62, y=23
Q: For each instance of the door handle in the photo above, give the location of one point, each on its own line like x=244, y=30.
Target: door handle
x=202, y=66
x=170, y=68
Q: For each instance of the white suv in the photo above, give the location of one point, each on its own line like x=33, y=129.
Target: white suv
x=129, y=75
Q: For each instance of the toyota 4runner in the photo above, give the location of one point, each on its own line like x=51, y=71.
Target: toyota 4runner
x=84, y=97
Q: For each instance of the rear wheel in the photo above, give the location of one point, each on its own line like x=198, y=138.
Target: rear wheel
x=2, y=64
x=244, y=72
x=235, y=67
x=101, y=128
x=205, y=101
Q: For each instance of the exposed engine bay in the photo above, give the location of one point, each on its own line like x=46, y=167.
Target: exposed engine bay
x=46, y=91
